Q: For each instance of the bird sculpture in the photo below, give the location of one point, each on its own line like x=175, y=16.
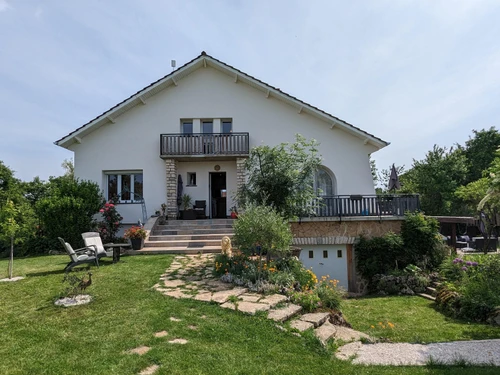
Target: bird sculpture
x=84, y=284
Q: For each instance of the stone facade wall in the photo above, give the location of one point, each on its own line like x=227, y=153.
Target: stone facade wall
x=240, y=172
x=367, y=228
x=171, y=175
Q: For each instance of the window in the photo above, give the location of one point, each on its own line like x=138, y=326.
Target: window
x=207, y=127
x=324, y=182
x=187, y=127
x=191, y=179
x=325, y=253
x=311, y=254
x=128, y=187
x=339, y=253
x=226, y=127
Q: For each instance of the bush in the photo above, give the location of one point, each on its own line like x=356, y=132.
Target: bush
x=379, y=255
x=422, y=241
x=68, y=210
x=329, y=293
x=400, y=284
x=309, y=299
x=260, y=229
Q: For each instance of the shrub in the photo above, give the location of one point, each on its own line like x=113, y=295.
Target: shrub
x=329, y=293
x=422, y=241
x=111, y=221
x=400, y=284
x=378, y=255
x=309, y=299
x=261, y=229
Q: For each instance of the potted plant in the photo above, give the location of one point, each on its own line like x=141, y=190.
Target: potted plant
x=136, y=235
x=187, y=204
x=234, y=212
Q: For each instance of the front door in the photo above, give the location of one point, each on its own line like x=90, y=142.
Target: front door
x=218, y=195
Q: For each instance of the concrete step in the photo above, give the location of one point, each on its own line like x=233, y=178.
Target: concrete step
x=209, y=222
x=189, y=231
x=217, y=236
x=429, y=297
x=432, y=291
x=175, y=250
x=182, y=243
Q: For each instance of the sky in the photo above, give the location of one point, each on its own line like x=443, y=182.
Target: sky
x=414, y=73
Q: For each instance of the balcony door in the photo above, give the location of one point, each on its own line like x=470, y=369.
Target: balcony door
x=207, y=128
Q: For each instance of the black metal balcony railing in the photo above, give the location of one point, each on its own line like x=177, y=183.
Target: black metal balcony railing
x=204, y=144
x=366, y=205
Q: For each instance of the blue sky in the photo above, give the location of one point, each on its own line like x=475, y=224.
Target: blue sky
x=414, y=73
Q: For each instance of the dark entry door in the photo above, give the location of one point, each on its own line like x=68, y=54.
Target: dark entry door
x=218, y=195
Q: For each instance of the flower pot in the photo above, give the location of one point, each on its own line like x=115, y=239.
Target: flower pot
x=234, y=215
x=137, y=243
x=188, y=215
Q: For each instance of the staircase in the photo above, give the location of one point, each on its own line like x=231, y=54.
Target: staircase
x=431, y=292
x=188, y=237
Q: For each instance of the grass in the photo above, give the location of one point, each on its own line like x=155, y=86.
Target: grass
x=39, y=338
x=414, y=319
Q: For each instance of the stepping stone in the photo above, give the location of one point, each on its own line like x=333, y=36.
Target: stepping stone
x=280, y=315
x=194, y=328
x=246, y=307
x=325, y=332
x=161, y=334
x=317, y=319
x=173, y=283
x=205, y=297
x=274, y=299
x=177, y=293
x=301, y=325
x=174, y=319
x=222, y=296
x=178, y=341
x=250, y=297
x=348, y=334
x=139, y=350
x=203, y=317
x=149, y=370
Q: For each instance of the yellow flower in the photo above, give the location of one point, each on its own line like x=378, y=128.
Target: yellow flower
x=372, y=326
x=390, y=324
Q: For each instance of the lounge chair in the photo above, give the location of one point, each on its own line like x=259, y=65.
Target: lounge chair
x=79, y=256
x=93, y=239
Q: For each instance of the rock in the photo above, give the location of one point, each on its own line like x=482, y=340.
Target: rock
x=246, y=307
x=178, y=341
x=317, y=319
x=17, y=278
x=161, y=334
x=280, y=315
x=81, y=299
x=301, y=325
x=173, y=283
x=348, y=334
x=274, y=299
x=177, y=293
x=337, y=319
x=325, y=332
x=222, y=296
x=149, y=370
x=250, y=297
x=173, y=319
x=139, y=350
x=348, y=351
x=205, y=297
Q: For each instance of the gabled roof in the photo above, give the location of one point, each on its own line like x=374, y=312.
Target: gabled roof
x=204, y=60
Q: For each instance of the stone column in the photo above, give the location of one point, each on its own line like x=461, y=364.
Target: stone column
x=171, y=174
x=240, y=173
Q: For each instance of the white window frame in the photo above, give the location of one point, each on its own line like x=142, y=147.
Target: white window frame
x=119, y=175
x=332, y=177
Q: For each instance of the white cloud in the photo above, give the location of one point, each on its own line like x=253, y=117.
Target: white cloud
x=4, y=5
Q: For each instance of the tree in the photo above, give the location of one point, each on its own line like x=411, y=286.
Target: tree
x=480, y=151
x=9, y=227
x=282, y=177
x=436, y=178
x=69, y=168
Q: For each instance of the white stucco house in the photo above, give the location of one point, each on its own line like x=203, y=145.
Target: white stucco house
x=199, y=122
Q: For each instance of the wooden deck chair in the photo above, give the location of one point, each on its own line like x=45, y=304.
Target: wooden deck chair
x=79, y=256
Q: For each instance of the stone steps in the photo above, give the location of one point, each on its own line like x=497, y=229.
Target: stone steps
x=190, y=277
x=176, y=250
x=191, y=237
x=190, y=231
x=427, y=296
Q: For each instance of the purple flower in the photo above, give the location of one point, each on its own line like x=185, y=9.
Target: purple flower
x=457, y=260
x=464, y=268
x=475, y=263
x=469, y=263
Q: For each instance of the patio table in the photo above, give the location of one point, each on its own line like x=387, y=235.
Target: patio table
x=117, y=247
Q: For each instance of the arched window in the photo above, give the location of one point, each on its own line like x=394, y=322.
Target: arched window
x=324, y=183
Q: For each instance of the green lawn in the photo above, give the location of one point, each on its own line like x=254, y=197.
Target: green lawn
x=414, y=319
x=38, y=338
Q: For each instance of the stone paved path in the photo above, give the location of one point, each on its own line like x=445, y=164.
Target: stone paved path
x=191, y=277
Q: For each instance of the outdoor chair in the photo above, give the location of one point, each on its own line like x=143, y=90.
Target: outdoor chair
x=79, y=256
x=93, y=239
x=199, y=208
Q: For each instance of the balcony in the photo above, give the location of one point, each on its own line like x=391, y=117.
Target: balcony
x=366, y=205
x=214, y=145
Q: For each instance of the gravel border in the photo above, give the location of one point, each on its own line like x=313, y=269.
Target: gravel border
x=481, y=352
